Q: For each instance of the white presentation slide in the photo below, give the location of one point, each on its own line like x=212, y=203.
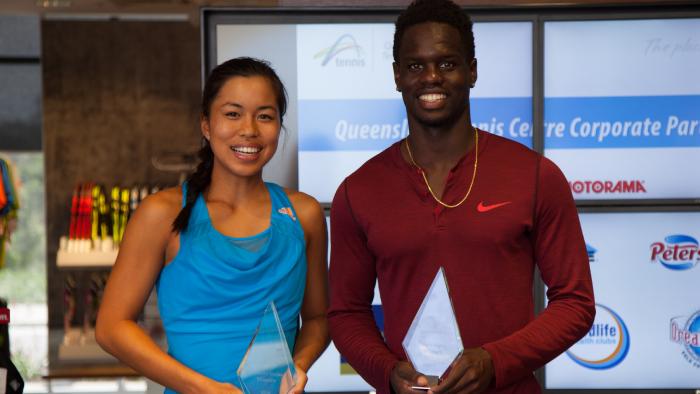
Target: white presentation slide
x=622, y=107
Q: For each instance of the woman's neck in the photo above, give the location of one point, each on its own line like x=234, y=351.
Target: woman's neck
x=233, y=189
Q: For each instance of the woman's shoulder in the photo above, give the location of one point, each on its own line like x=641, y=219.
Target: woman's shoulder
x=307, y=207
x=163, y=205
x=302, y=199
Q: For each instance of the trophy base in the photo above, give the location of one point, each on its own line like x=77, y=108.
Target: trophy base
x=432, y=381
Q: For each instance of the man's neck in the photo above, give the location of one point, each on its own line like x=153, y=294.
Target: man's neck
x=439, y=148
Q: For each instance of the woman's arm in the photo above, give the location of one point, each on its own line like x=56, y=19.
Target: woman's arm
x=313, y=337
x=140, y=260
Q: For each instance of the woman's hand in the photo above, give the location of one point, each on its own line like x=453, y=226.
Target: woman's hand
x=301, y=382
x=214, y=387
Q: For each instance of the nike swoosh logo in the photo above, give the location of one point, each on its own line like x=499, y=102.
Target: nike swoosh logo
x=485, y=208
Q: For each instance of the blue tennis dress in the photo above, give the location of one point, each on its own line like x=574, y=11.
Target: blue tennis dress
x=213, y=294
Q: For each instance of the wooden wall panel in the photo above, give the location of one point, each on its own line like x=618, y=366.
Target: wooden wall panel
x=115, y=94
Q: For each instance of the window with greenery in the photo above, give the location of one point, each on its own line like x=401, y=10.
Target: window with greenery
x=23, y=278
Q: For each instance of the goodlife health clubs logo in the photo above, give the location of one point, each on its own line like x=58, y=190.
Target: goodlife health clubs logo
x=345, y=52
x=679, y=252
x=606, y=344
x=607, y=187
x=687, y=333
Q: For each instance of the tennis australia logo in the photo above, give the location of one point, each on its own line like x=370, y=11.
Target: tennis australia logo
x=686, y=332
x=606, y=344
x=345, y=52
x=679, y=252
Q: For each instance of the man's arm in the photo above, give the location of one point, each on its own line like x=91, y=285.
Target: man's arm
x=352, y=278
x=560, y=254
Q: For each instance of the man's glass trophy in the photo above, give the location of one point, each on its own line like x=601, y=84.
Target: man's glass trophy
x=433, y=343
x=267, y=366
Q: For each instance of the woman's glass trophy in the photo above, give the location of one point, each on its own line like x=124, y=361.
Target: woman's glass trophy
x=433, y=343
x=267, y=366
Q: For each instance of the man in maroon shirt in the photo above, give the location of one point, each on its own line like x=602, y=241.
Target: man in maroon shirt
x=487, y=209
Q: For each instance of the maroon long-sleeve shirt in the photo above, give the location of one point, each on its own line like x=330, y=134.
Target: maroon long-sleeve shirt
x=385, y=226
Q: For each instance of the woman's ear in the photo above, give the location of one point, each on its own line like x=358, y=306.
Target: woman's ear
x=204, y=127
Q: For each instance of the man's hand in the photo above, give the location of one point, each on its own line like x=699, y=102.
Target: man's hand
x=403, y=377
x=472, y=372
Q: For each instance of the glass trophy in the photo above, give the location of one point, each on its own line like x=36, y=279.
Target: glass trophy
x=267, y=366
x=432, y=342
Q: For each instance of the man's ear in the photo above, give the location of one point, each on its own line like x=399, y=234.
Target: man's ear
x=473, y=72
x=395, y=66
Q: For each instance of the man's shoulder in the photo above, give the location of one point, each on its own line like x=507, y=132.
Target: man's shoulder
x=508, y=165
x=512, y=153
x=508, y=147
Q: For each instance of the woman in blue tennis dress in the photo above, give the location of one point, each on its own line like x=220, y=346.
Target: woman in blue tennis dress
x=220, y=248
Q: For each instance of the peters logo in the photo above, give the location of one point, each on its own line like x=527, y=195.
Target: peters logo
x=609, y=187
x=686, y=332
x=679, y=252
x=345, y=52
x=591, y=253
x=606, y=344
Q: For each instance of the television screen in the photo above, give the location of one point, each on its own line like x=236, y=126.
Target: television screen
x=646, y=332
x=622, y=106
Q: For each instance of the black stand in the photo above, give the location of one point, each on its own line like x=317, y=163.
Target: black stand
x=14, y=384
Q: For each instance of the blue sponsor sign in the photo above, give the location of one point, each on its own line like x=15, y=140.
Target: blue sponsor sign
x=622, y=122
x=358, y=125
x=330, y=125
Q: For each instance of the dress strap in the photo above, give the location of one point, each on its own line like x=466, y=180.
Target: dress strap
x=184, y=194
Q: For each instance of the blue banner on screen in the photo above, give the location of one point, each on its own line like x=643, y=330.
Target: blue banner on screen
x=509, y=117
x=327, y=125
x=372, y=125
x=622, y=122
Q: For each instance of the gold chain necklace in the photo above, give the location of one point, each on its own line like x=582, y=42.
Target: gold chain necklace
x=476, y=162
